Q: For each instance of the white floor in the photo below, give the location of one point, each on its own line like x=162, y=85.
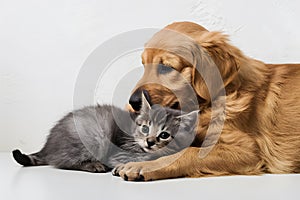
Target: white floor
x=43, y=183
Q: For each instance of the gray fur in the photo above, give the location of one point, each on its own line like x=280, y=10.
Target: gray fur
x=98, y=138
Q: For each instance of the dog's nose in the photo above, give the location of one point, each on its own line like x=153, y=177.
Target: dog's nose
x=136, y=99
x=150, y=142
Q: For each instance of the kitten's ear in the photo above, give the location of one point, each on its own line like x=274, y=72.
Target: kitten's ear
x=145, y=104
x=189, y=120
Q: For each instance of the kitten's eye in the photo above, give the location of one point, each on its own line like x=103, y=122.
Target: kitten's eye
x=145, y=129
x=164, y=135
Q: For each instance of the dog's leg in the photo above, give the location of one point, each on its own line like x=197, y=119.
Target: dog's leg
x=232, y=157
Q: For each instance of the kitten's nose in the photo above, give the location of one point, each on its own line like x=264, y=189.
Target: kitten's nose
x=150, y=142
x=136, y=99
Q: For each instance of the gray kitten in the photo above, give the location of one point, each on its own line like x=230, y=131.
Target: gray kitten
x=98, y=138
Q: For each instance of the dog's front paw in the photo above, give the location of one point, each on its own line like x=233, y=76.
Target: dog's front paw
x=132, y=171
x=116, y=170
x=139, y=171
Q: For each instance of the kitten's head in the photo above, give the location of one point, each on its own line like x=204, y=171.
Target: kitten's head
x=161, y=127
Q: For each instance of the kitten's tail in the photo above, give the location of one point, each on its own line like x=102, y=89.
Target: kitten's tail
x=28, y=160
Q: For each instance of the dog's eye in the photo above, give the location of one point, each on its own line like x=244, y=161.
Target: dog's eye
x=163, y=69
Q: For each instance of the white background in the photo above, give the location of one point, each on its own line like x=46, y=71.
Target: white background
x=43, y=45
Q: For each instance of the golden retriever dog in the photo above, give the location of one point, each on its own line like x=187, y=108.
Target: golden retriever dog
x=257, y=132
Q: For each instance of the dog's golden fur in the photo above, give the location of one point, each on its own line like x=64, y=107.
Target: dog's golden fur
x=261, y=133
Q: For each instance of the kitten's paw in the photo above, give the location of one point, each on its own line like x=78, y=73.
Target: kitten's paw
x=94, y=167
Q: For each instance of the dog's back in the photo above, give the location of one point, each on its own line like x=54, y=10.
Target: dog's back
x=278, y=119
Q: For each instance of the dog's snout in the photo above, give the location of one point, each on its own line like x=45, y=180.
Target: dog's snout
x=136, y=99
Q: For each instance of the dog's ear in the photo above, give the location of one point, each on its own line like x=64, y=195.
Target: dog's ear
x=198, y=81
x=214, y=57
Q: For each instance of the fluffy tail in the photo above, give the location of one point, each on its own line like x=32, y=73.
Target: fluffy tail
x=28, y=160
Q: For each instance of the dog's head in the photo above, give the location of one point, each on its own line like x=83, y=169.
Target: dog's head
x=181, y=63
